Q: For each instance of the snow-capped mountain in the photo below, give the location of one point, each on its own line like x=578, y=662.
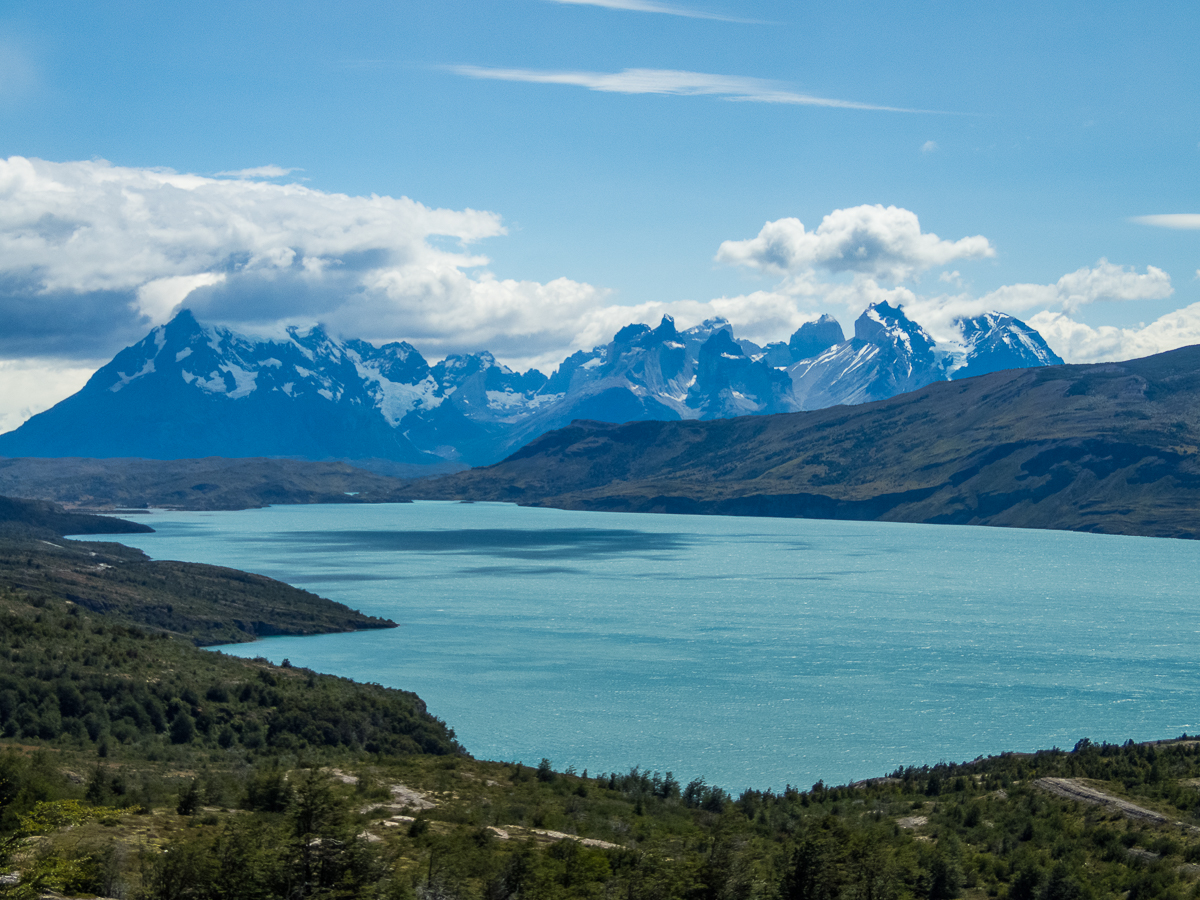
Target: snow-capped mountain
x=996, y=341
x=189, y=390
x=889, y=354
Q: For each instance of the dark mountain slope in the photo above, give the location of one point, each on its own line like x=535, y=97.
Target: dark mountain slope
x=212, y=483
x=1109, y=448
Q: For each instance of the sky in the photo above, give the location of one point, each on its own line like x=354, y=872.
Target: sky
x=527, y=176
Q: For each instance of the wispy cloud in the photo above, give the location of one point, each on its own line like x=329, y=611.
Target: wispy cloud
x=271, y=171
x=650, y=6
x=1172, y=220
x=672, y=81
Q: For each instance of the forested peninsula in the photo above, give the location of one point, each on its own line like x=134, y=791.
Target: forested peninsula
x=135, y=765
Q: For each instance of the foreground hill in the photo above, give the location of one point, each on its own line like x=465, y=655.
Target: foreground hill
x=1107, y=448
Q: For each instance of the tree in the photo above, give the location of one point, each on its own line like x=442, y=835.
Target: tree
x=809, y=875
x=189, y=798
x=183, y=728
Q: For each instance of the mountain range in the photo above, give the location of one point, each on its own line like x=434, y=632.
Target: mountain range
x=188, y=390
x=1111, y=447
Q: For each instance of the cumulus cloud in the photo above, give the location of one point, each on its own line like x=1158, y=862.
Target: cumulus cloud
x=649, y=6
x=93, y=254
x=1061, y=300
x=882, y=242
x=1105, y=281
x=1171, y=220
x=1080, y=343
x=671, y=81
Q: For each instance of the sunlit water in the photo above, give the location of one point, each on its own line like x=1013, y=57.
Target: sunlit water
x=752, y=652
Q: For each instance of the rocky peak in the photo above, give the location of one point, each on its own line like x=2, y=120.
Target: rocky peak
x=813, y=338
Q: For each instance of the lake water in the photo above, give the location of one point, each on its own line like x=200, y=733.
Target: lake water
x=752, y=652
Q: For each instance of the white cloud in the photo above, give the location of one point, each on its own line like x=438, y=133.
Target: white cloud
x=929, y=147
x=158, y=299
x=271, y=171
x=762, y=316
x=1080, y=343
x=885, y=242
x=34, y=385
x=649, y=6
x=670, y=81
x=1172, y=220
x=91, y=254
x=1105, y=281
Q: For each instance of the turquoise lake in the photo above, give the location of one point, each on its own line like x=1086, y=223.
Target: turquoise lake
x=751, y=652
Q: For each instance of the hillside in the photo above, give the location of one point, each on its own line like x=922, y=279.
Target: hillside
x=19, y=516
x=206, y=604
x=1106, y=448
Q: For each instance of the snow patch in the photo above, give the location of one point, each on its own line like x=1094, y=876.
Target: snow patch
x=394, y=399
x=124, y=379
x=244, y=382
x=214, y=384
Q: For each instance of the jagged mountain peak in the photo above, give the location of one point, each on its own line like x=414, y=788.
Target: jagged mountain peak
x=993, y=341
x=812, y=339
x=721, y=341
x=881, y=323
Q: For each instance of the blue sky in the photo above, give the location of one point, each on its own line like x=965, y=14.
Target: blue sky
x=578, y=165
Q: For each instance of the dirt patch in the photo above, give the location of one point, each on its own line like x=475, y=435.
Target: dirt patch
x=1073, y=789
x=516, y=832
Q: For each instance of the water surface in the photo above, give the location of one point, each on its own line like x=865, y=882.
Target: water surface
x=750, y=651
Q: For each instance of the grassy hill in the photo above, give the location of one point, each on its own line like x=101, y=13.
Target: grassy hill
x=1107, y=448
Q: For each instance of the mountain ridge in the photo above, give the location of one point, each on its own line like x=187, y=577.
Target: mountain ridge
x=191, y=391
